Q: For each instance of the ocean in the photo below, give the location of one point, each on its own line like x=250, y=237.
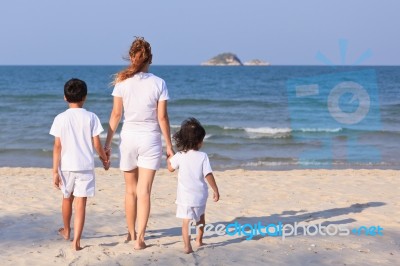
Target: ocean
x=262, y=118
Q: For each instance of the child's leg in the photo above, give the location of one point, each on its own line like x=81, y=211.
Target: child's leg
x=131, y=179
x=79, y=221
x=66, y=214
x=186, y=237
x=199, y=238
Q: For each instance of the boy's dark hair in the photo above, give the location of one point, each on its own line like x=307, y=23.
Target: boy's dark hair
x=75, y=90
x=190, y=135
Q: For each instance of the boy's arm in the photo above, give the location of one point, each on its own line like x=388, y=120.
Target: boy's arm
x=100, y=151
x=211, y=180
x=56, y=162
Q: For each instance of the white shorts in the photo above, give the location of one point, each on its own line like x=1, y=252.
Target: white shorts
x=140, y=150
x=187, y=212
x=79, y=183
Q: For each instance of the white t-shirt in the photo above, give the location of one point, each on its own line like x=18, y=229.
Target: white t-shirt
x=140, y=95
x=193, y=166
x=76, y=127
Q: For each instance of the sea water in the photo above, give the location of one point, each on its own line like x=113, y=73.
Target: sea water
x=250, y=116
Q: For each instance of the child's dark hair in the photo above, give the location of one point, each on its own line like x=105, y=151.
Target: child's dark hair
x=190, y=135
x=75, y=90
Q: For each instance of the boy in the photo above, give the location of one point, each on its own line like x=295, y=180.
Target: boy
x=194, y=169
x=76, y=131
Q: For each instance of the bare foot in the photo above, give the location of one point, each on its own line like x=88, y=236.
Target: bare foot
x=76, y=246
x=129, y=237
x=64, y=233
x=139, y=245
x=200, y=243
x=187, y=250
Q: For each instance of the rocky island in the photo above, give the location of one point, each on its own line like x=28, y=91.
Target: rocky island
x=225, y=59
x=256, y=62
x=230, y=59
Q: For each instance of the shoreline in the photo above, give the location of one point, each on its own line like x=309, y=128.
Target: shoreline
x=259, y=168
x=30, y=216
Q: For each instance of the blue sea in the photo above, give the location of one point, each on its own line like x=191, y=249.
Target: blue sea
x=255, y=117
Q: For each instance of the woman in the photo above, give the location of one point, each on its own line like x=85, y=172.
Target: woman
x=142, y=97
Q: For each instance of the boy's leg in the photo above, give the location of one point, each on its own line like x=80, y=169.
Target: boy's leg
x=131, y=178
x=187, y=248
x=199, y=238
x=79, y=221
x=66, y=214
x=143, y=190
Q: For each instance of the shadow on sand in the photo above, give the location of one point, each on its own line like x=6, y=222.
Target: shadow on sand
x=286, y=217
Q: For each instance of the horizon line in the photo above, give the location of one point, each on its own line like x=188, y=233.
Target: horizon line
x=195, y=65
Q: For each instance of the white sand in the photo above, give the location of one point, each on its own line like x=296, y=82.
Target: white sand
x=30, y=214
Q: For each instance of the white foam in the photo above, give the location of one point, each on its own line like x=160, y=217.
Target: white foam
x=264, y=163
x=268, y=130
x=321, y=129
x=231, y=128
x=104, y=136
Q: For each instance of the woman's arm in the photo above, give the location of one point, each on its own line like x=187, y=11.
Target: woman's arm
x=115, y=117
x=163, y=121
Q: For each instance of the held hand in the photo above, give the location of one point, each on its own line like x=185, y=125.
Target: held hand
x=106, y=163
x=57, y=180
x=170, y=152
x=107, y=150
x=216, y=196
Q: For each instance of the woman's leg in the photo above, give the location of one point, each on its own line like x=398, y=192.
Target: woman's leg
x=131, y=180
x=143, y=191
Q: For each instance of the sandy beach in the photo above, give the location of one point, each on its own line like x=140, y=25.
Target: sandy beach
x=30, y=216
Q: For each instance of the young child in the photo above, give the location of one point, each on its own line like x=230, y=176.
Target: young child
x=76, y=131
x=194, y=169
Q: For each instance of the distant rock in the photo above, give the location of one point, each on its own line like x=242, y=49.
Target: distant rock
x=257, y=62
x=225, y=59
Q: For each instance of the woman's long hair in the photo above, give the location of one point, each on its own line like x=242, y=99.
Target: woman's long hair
x=139, y=56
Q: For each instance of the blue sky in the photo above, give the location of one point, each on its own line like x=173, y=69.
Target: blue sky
x=182, y=32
